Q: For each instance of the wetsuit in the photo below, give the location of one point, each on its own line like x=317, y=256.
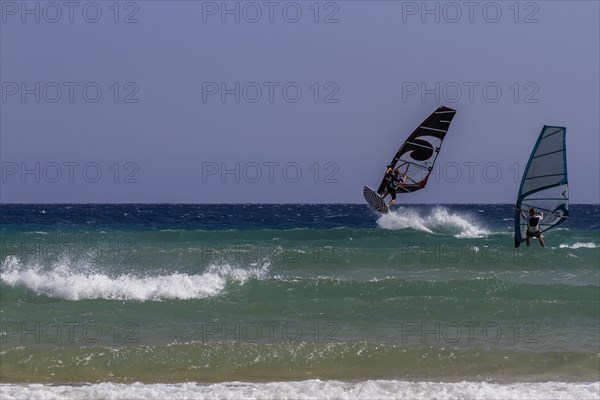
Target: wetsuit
x=533, y=226
x=394, y=181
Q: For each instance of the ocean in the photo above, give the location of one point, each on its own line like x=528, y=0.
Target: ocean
x=295, y=301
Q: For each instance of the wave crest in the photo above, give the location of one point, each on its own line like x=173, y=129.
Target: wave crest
x=66, y=282
x=439, y=220
x=588, y=245
x=310, y=389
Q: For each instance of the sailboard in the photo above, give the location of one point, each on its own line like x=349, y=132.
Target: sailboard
x=544, y=185
x=375, y=200
x=415, y=158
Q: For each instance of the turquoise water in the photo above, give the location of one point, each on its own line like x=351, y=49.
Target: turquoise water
x=163, y=294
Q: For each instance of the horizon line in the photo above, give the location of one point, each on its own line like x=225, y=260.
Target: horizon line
x=270, y=204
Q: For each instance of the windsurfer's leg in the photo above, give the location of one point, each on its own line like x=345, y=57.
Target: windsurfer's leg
x=393, y=194
x=527, y=240
x=541, y=239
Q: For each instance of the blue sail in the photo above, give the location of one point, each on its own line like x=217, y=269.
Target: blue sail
x=544, y=185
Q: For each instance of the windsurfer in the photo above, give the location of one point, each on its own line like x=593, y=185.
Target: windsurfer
x=533, y=226
x=395, y=179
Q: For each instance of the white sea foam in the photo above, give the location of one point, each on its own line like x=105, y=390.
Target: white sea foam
x=578, y=245
x=71, y=283
x=439, y=220
x=311, y=389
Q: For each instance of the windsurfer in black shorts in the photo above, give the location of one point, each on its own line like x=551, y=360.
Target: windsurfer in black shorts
x=394, y=181
x=533, y=226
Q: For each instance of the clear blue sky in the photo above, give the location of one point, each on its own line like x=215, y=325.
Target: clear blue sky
x=279, y=102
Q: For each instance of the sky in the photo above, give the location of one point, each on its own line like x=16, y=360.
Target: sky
x=288, y=102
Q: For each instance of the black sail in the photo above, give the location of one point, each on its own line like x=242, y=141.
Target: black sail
x=416, y=157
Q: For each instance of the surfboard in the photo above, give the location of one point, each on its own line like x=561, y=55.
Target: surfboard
x=375, y=200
